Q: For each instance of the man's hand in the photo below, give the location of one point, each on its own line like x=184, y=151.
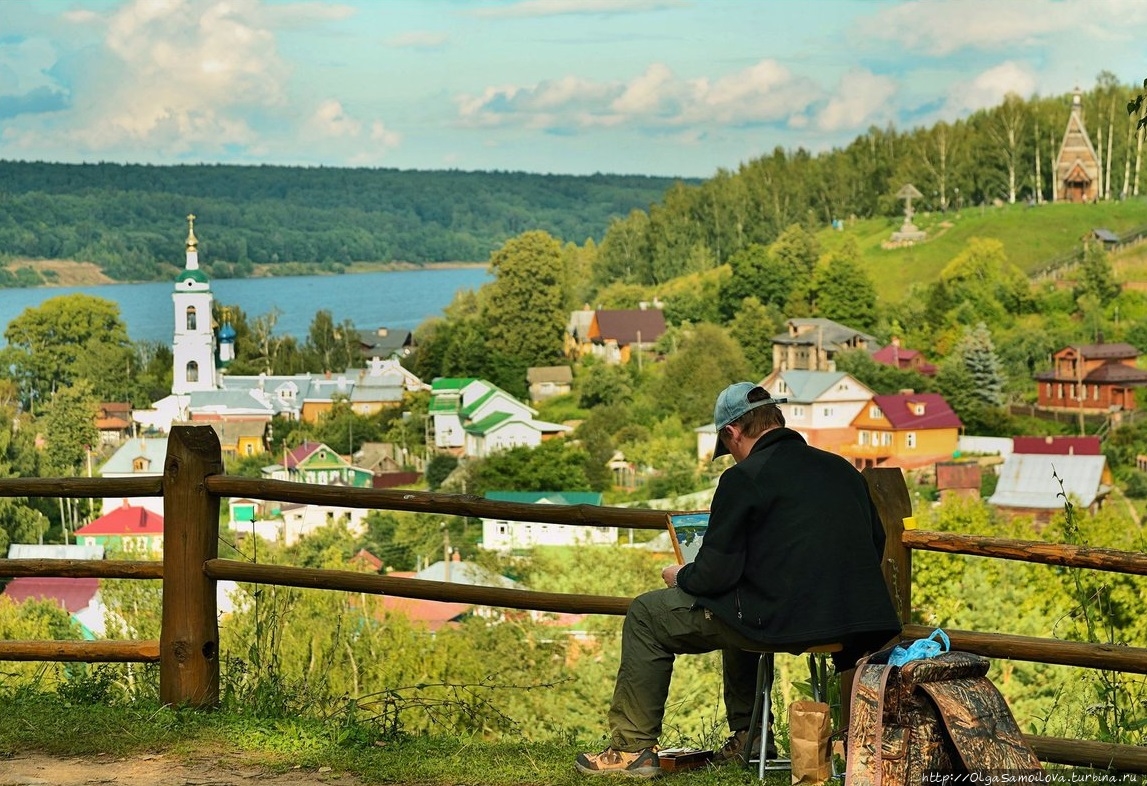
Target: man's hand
x=669, y=574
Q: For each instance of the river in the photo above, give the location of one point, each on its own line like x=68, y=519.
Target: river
x=392, y=299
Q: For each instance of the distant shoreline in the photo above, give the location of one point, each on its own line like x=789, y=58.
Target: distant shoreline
x=69, y=273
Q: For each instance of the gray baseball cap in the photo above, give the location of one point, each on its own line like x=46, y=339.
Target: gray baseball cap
x=735, y=401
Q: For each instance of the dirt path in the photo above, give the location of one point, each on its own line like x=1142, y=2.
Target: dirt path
x=33, y=769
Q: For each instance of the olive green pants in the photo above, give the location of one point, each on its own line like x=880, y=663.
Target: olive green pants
x=659, y=626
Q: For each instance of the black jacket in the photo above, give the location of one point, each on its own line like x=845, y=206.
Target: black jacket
x=793, y=550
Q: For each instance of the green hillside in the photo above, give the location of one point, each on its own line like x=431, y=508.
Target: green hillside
x=1032, y=236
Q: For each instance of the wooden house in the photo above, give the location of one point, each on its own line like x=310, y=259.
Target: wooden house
x=141, y=457
x=314, y=462
x=616, y=335
x=114, y=421
x=1091, y=378
x=548, y=381
x=903, y=358
x=958, y=479
x=812, y=344
x=906, y=430
x=1077, y=165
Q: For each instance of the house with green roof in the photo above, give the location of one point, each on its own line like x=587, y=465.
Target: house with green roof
x=473, y=417
x=506, y=535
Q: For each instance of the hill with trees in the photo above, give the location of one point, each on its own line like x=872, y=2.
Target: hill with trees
x=292, y=219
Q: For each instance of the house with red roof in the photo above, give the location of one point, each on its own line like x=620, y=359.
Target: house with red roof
x=903, y=358
x=128, y=529
x=907, y=430
x=79, y=597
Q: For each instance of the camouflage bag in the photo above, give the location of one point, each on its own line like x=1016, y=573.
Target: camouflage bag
x=939, y=715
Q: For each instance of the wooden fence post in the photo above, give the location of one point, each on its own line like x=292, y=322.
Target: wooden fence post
x=189, y=640
x=890, y=495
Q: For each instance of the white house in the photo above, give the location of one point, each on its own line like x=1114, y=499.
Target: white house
x=821, y=404
x=505, y=535
x=473, y=417
x=142, y=457
x=295, y=521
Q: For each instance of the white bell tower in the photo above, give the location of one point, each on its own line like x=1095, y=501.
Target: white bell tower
x=194, y=345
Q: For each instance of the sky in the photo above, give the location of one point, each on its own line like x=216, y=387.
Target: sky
x=654, y=87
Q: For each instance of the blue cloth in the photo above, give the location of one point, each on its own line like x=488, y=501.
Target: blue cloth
x=934, y=645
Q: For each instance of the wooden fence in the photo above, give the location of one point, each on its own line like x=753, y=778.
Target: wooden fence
x=193, y=484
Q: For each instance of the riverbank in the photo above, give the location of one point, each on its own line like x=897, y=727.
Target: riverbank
x=71, y=273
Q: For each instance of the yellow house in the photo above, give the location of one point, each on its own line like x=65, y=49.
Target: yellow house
x=903, y=430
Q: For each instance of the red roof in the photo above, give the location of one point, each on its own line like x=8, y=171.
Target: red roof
x=899, y=357
x=1057, y=446
x=71, y=594
x=901, y=411
x=302, y=452
x=432, y=613
x=125, y=520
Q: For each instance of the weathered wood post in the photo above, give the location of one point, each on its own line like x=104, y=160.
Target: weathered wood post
x=890, y=495
x=189, y=640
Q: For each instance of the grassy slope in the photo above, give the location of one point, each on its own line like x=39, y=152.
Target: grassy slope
x=1031, y=237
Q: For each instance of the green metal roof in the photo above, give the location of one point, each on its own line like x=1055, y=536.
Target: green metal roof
x=444, y=384
x=550, y=497
x=193, y=275
x=488, y=424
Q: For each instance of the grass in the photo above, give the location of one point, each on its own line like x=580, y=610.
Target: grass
x=46, y=724
x=1031, y=237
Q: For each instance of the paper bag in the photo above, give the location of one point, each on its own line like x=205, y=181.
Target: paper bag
x=810, y=733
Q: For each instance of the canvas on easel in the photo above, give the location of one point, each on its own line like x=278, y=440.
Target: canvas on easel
x=686, y=531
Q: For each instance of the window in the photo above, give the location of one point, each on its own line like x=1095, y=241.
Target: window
x=864, y=437
x=250, y=449
x=193, y=372
x=918, y=408
x=503, y=528
x=910, y=439
x=886, y=438
x=798, y=412
x=1095, y=392
x=1059, y=391
x=829, y=412
x=191, y=321
x=782, y=388
x=874, y=412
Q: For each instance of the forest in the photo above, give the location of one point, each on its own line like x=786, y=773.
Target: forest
x=124, y=217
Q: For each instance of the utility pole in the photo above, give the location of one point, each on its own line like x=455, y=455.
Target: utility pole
x=446, y=552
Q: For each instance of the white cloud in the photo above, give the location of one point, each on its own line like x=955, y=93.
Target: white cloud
x=417, y=39
x=331, y=120
x=530, y=8
x=385, y=138
x=180, y=76
x=764, y=92
x=989, y=88
x=860, y=97
x=940, y=27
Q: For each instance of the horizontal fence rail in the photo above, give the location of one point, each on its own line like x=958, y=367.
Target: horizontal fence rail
x=350, y=581
x=438, y=504
x=81, y=487
x=82, y=568
x=1065, y=555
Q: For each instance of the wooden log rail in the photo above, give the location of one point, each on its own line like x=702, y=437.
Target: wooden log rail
x=438, y=504
x=1027, y=551
x=371, y=583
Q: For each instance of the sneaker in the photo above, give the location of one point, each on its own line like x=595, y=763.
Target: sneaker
x=639, y=764
x=735, y=749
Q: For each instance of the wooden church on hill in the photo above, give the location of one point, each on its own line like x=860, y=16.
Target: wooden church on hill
x=1077, y=167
